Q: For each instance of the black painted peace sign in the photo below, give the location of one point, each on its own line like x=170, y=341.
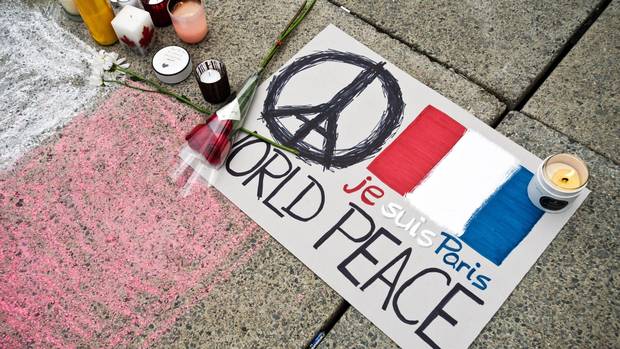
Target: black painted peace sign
x=328, y=113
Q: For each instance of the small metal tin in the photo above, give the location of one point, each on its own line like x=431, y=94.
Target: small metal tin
x=172, y=64
x=550, y=197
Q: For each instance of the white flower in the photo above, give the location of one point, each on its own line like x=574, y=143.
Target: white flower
x=104, y=67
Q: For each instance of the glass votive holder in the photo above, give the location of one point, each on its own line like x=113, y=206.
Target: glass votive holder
x=213, y=81
x=158, y=9
x=188, y=19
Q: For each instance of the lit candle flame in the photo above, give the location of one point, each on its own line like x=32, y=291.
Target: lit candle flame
x=565, y=177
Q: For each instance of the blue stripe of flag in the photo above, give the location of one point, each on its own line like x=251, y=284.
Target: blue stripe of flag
x=504, y=220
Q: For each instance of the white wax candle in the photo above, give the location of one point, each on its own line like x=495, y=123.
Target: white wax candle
x=210, y=76
x=134, y=28
x=69, y=6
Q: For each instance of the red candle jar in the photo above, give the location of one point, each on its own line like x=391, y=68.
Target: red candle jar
x=159, y=12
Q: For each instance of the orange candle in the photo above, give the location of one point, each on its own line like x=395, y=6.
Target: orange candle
x=189, y=20
x=98, y=15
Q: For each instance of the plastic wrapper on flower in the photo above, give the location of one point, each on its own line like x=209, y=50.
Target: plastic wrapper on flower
x=214, y=138
x=208, y=144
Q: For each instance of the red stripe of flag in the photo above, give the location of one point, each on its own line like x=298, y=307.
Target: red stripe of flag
x=411, y=156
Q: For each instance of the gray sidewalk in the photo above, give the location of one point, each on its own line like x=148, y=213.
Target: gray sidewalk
x=501, y=45
x=486, y=56
x=580, y=98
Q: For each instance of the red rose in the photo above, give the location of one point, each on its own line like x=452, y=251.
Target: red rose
x=211, y=139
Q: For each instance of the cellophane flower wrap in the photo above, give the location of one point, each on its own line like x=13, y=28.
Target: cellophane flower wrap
x=209, y=143
x=213, y=139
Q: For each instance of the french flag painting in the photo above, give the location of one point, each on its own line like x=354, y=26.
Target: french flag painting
x=467, y=184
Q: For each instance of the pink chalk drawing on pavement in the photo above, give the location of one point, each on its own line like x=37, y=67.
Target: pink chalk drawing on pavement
x=97, y=248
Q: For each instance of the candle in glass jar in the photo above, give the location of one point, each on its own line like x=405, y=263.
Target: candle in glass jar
x=558, y=181
x=210, y=76
x=159, y=11
x=134, y=28
x=213, y=81
x=563, y=175
x=98, y=15
x=189, y=20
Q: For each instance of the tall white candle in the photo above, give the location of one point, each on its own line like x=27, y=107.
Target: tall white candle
x=134, y=28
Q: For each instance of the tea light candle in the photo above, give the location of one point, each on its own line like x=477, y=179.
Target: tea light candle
x=563, y=176
x=134, y=28
x=189, y=20
x=210, y=76
x=159, y=11
x=213, y=81
x=558, y=181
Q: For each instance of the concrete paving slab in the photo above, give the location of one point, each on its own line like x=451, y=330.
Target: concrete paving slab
x=580, y=98
x=569, y=299
x=354, y=331
x=240, y=34
x=502, y=45
x=268, y=303
x=259, y=295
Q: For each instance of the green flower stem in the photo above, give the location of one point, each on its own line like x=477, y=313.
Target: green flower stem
x=265, y=139
x=205, y=111
x=162, y=89
x=130, y=86
x=299, y=16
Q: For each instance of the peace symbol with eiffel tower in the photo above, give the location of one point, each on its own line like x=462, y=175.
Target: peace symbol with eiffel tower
x=327, y=114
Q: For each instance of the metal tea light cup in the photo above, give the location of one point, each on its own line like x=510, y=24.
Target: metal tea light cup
x=213, y=81
x=558, y=182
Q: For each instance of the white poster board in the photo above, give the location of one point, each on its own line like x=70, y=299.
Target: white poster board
x=403, y=202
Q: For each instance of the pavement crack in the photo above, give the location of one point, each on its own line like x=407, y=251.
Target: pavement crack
x=421, y=51
x=540, y=79
x=563, y=52
x=569, y=137
x=328, y=324
x=529, y=91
